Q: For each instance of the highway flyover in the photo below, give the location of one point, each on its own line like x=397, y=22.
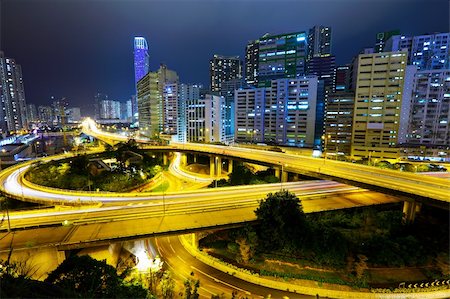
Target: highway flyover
x=385, y=180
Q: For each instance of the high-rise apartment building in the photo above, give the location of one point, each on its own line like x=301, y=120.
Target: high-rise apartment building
x=73, y=115
x=284, y=113
x=170, y=108
x=32, y=115
x=186, y=94
x=109, y=109
x=381, y=39
x=342, y=78
x=281, y=56
x=339, y=121
x=430, y=109
x=13, y=113
x=382, y=100
x=150, y=100
x=319, y=41
x=60, y=111
x=126, y=111
x=222, y=69
x=252, y=63
x=45, y=115
x=325, y=69
x=205, y=119
x=427, y=52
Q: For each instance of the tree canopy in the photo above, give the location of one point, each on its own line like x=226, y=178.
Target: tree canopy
x=90, y=278
x=281, y=220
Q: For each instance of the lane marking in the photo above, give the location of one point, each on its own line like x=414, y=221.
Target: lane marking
x=182, y=259
x=223, y=282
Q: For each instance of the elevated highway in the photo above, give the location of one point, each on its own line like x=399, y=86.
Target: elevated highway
x=67, y=227
x=385, y=180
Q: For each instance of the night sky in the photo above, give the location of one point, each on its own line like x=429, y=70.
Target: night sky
x=77, y=48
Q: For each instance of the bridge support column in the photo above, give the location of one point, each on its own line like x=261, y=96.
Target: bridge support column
x=60, y=256
x=410, y=209
x=284, y=176
x=212, y=167
x=230, y=166
x=295, y=177
x=218, y=161
x=215, y=166
x=165, y=159
x=195, y=158
x=183, y=159
x=277, y=173
x=114, y=250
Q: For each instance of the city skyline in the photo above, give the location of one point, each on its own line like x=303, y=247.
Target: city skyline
x=101, y=60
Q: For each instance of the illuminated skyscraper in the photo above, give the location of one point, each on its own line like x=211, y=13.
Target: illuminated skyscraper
x=319, y=42
x=141, y=65
x=13, y=114
x=222, y=69
x=141, y=59
x=281, y=56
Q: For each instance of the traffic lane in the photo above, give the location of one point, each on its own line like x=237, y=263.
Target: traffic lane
x=172, y=247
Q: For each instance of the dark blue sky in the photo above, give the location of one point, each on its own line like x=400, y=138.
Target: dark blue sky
x=76, y=48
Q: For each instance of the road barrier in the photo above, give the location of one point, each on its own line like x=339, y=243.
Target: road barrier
x=432, y=292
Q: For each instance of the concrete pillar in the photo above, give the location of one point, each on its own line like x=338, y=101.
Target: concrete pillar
x=277, y=173
x=165, y=159
x=212, y=166
x=218, y=161
x=183, y=159
x=410, y=208
x=60, y=256
x=230, y=166
x=284, y=176
x=114, y=250
x=195, y=158
x=295, y=177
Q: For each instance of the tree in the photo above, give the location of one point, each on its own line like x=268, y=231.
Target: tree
x=167, y=285
x=90, y=278
x=248, y=241
x=79, y=164
x=281, y=220
x=361, y=266
x=191, y=289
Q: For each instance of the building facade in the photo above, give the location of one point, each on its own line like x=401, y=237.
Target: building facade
x=45, y=115
x=430, y=110
x=281, y=56
x=32, y=115
x=252, y=63
x=150, y=100
x=13, y=112
x=186, y=93
x=205, y=120
x=141, y=65
x=338, y=122
x=284, y=113
x=381, y=104
x=342, y=78
x=109, y=109
x=427, y=52
x=319, y=41
x=222, y=69
x=381, y=39
x=73, y=115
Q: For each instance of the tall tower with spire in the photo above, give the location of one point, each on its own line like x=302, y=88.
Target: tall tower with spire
x=141, y=63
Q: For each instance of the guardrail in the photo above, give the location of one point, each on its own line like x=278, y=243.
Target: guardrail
x=255, y=278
